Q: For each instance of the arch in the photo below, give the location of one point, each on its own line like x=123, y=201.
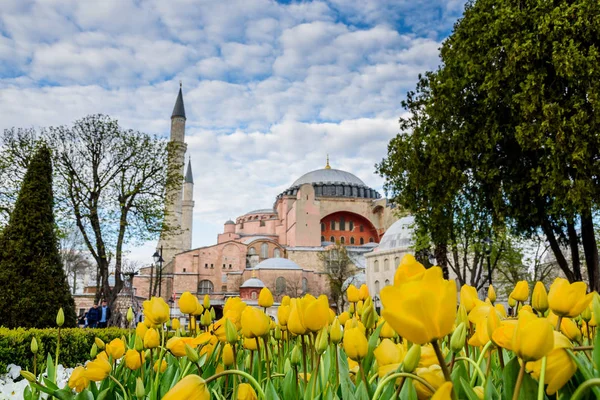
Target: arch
x=338, y=222
x=387, y=282
x=396, y=262
x=205, y=287
x=342, y=240
x=371, y=240
x=276, y=253
x=264, y=250
x=322, y=238
x=304, y=285
x=322, y=227
x=376, y=266
x=332, y=239
x=386, y=264
x=352, y=240
x=376, y=286
x=280, y=285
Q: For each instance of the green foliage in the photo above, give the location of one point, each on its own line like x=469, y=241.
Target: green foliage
x=32, y=279
x=75, y=345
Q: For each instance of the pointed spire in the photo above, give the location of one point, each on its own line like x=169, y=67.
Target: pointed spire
x=327, y=166
x=179, y=109
x=189, y=177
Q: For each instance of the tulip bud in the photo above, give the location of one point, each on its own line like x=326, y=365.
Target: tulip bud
x=99, y=343
x=491, y=294
x=213, y=314
x=60, y=317
x=140, y=392
x=539, y=299
x=462, y=316
x=139, y=344
x=176, y=324
x=322, y=341
x=191, y=354
x=296, y=357
x=368, y=317
x=411, y=360
x=130, y=315
x=335, y=334
x=34, y=345
x=265, y=298
x=359, y=308
x=363, y=292
x=457, y=341
x=206, y=301
x=247, y=363
x=228, y=359
x=93, y=351
x=206, y=319
x=511, y=302
x=277, y=333
x=351, y=309
x=28, y=375
x=287, y=366
x=586, y=314
x=231, y=333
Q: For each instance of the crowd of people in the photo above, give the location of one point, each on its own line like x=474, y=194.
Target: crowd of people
x=96, y=317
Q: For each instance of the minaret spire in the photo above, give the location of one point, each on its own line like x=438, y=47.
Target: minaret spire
x=179, y=109
x=189, y=177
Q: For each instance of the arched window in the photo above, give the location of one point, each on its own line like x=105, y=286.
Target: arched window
x=205, y=287
x=264, y=250
x=371, y=240
x=276, y=253
x=376, y=286
x=386, y=265
x=280, y=285
x=342, y=240
x=253, y=295
x=332, y=239
x=322, y=238
x=351, y=240
x=251, y=251
x=362, y=241
x=396, y=262
x=351, y=225
x=387, y=282
x=333, y=225
x=304, y=285
x=376, y=266
x=322, y=227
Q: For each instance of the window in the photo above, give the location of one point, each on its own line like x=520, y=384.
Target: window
x=224, y=288
x=280, y=285
x=211, y=266
x=371, y=240
x=342, y=224
x=264, y=250
x=276, y=253
x=396, y=262
x=224, y=266
x=205, y=265
x=262, y=223
x=229, y=266
x=253, y=296
x=205, y=287
x=322, y=227
x=386, y=265
x=362, y=241
x=362, y=228
x=387, y=282
x=376, y=286
x=304, y=285
x=184, y=270
x=333, y=225
x=342, y=240
x=351, y=225
x=251, y=251
x=322, y=238
x=351, y=240
x=332, y=239
x=376, y=266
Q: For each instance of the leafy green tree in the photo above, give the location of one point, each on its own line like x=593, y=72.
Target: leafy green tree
x=339, y=267
x=32, y=279
x=510, y=119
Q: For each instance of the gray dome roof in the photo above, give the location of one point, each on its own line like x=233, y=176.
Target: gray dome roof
x=262, y=211
x=253, y=282
x=229, y=222
x=398, y=235
x=329, y=175
x=277, y=263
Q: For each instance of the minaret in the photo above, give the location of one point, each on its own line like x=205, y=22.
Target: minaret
x=187, y=208
x=170, y=238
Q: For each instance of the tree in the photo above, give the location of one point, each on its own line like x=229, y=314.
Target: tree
x=511, y=116
x=75, y=260
x=339, y=269
x=32, y=279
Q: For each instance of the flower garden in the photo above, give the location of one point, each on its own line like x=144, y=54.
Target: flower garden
x=425, y=344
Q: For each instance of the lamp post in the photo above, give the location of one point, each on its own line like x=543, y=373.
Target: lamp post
x=487, y=247
x=158, y=260
x=375, y=302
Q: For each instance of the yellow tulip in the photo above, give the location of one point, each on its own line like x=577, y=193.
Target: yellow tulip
x=568, y=299
x=283, y=315
x=191, y=387
x=386, y=330
x=481, y=336
x=78, y=381
x=388, y=356
x=151, y=339
x=133, y=360
x=163, y=366
x=444, y=392
x=533, y=337
x=265, y=298
x=335, y=332
x=500, y=308
x=511, y=302
x=228, y=359
x=479, y=392
x=255, y=323
x=176, y=345
x=539, y=298
x=355, y=344
x=206, y=302
x=352, y=293
x=408, y=270
x=175, y=324
x=188, y=303
x=521, y=291
x=421, y=311
x=156, y=311
x=345, y=316
x=433, y=375
x=115, y=349
x=502, y=336
x=363, y=292
x=250, y=344
x=140, y=330
x=316, y=314
x=491, y=294
x=560, y=367
x=246, y=392
x=468, y=297
x=97, y=370
x=428, y=357
x=296, y=323
x=285, y=300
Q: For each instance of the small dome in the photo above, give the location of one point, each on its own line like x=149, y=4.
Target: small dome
x=329, y=175
x=253, y=283
x=261, y=211
x=277, y=263
x=398, y=235
x=229, y=222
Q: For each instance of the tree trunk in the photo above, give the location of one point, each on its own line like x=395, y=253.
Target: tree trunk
x=574, y=244
x=560, y=258
x=590, y=248
x=74, y=280
x=441, y=252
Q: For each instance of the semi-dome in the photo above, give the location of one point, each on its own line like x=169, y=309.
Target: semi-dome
x=398, y=235
x=277, y=263
x=253, y=283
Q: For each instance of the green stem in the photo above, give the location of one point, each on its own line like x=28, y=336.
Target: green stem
x=590, y=383
x=267, y=359
x=558, y=321
x=477, y=368
x=314, y=385
x=519, y=382
x=392, y=377
x=119, y=384
x=540, y=395
x=259, y=359
x=445, y=370
x=57, y=353
x=399, y=389
x=337, y=367
x=261, y=393
x=303, y=354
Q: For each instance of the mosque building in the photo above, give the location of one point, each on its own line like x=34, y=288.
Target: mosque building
x=276, y=247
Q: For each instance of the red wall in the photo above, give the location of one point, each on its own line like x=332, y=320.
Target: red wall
x=369, y=232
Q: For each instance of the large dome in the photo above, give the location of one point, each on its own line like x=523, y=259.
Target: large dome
x=398, y=235
x=329, y=175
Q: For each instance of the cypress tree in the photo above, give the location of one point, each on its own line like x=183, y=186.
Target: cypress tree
x=33, y=284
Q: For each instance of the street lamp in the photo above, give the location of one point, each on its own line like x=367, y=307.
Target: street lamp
x=158, y=260
x=487, y=248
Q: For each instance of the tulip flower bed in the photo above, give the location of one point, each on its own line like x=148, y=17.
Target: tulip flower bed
x=425, y=344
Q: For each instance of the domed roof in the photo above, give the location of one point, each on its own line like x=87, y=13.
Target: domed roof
x=229, y=222
x=356, y=280
x=329, y=175
x=277, y=263
x=262, y=211
x=398, y=235
x=253, y=283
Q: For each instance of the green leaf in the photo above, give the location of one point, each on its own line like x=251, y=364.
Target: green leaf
x=583, y=368
x=166, y=380
x=408, y=391
x=459, y=372
x=270, y=391
x=85, y=395
x=289, y=386
x=50, y=384
x=373, y=339
x=596, y=356
x=103, y=394
x=64, y=394
x=511, y=373
x=468, y=390
x=490, y=390
x=50, y=368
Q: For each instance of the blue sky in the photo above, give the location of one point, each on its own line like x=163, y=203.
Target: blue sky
x=269, y=87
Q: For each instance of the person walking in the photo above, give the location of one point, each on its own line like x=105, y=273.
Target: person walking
x=93, y=316
x=104, y=315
